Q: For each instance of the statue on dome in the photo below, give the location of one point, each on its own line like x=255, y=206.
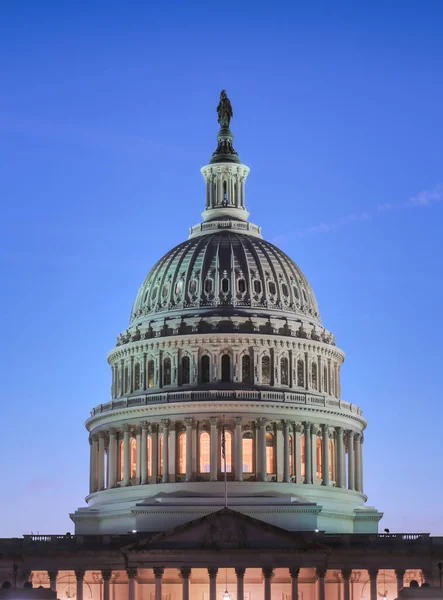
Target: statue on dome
x=224, y=110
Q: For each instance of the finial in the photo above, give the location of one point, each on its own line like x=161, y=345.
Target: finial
x=225, y=151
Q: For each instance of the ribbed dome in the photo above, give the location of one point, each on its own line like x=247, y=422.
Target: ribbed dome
x=225, y=270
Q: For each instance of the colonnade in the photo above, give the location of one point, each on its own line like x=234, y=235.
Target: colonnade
x=187, y=450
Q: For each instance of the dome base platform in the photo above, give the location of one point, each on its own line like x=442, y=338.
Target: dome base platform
x=292, y=507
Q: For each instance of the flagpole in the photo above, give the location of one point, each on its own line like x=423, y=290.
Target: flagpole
x=224, y=461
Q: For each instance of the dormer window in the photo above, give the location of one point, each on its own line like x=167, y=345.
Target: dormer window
x=272, y=288
x=241, y=284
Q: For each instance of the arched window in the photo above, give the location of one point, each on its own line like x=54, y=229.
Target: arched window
x=182, y=453
x=167, y=371
x=303, y=455
x=133, y=457
x=149, y=457
x=319, y=456
x=331, y=460
x=314, y=376
x=246, y=369
x=228, y=446
x=248, y=452
x=178, y=288
x=269, y=453
x=204, y=369
x=122, y=461
x=266, y=370
x=300, y=373
x=205, y=461
x=208, y=286
x=137, y=376
x=150, y=374
x=165, y=290
x=284, y=371
x=291, y=456
x=185, y=370
x=226, y=368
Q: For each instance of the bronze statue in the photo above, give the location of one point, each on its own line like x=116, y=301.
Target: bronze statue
x=224, y=110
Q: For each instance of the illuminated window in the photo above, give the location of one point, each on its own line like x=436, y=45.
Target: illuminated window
x=205, y=369
x=248, y=452
x=149, y=455
x=266, y=370
x=205, y=461
x=185, y=370
x=182, y=453
x=122, y=461
x=331, y=460
x=226, y=368
x=137, y=376
x=133, y=457
x=228, y=444
x=284, y=371
x=167, y=371
x=269, y=453
x=303, y=455
x=150, y=374
x=314, y=375
x=300, y=373
x=291, y=455
x=319, y=456
x=246, y=369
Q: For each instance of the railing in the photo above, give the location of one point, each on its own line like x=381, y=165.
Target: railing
x=196, y=396
x=361, y=539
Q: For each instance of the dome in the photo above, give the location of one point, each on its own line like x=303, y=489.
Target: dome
x=225, y=270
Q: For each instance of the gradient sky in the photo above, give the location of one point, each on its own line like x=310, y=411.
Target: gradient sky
x=107, y=113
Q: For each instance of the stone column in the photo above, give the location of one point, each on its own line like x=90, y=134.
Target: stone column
x=328, y=387
x=106, y=576
x=172, y=452
x=240, y=572
x=261, y=449
x=268, y=572
x=373, y=583
x=138, y=467
x=325, y=455
x=194, y=450
x=212, y=571
x=144, y=453
x=351, y=461
x=185, y=574
x=308, y=453
x=399, y=574
x=165, y=427
x=93, y=441
x=112, y=455
x=294, y=572
x=286, y=461
x=298, y=454
x=154, y=451
x=79, y=577
x=101, y=460
x=346, y=574
x=340, y=475
x=126, y=455
x=314, y=429
x=306, y=371
x=158, y=574
x=238, y=451
x=321, y=574
x=357, y=448
x=189, y=422
x=53, y=580
x=214, y=449
x=132, y=578
x=361, y=462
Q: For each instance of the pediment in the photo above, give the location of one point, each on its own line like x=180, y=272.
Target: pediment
x=227, y=529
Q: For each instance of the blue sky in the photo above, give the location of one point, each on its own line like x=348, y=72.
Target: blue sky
x=107, y=113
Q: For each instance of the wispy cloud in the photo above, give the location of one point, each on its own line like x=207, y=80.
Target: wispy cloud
x=423, y=199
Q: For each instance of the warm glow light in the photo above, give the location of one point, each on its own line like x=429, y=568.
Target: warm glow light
x=226, y=595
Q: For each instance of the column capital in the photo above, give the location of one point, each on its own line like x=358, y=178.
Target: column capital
x=346, y=574
x=357, y=437
x=268, y=572
x=212, y=571
x=240, y=571
x=106, y=574
x=189, y=421
x=373, y=572
x=325, y=431
x=298, y=427
x=185, y=572
x=350, y=434
x=144, y=425
x=112, y=431
x=132, y=573
x=261, y=422
x=213, y=421
x=294, y=572
x=165, y=423
x=238, y=421
x=153, y=428
x=158, y=572
x=126, y=428
x=79, y=574
x=52, y=574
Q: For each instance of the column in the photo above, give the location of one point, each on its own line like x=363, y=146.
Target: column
x=93, y=441
x=298, y=454
x=268, y=572
x=138, y=436
x=132, y=578
x=106, y=576
x=351, y=461
x=238, y=451
x=399, y=574
x=172, y=452
x=308, y=453
x=185, y=574
x=53, y=580
x=294, y=572
x=126, y=455
x=340, y=475
x=214, y=447
x=321, y=573
x=325, y=452
x=189, y=422
x=261, y=450
x=165, y=427
x=243, y=199
x=79, y=576
x=306, y=371
x=101, y=460
x=357, y=448
x=212, y=571
x=286, y=462
x=361, y=462
x=346, y=574
x=112, y=454
x=158, y=574
x=314, y=429
x=373, y=583
x=240, y=572
x=144, y=453
x=279, y=450
x=328, y=387
x=154, y=452
x=194, y=450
